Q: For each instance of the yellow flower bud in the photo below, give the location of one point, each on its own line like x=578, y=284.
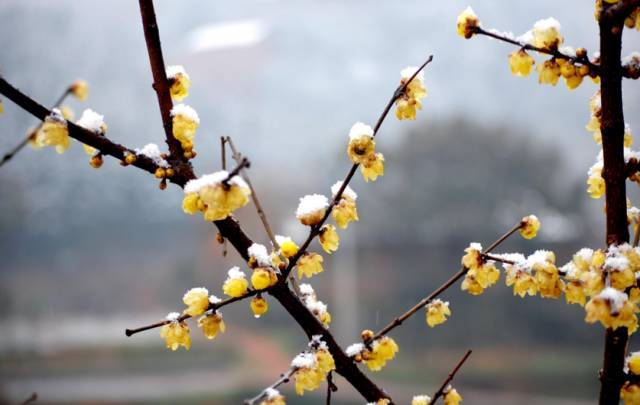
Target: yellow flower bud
x=467, y=22
x=211, y=324
x=80, y=89
x=529, y=227
x=196, y=300
x=259, y=306
x=263, y=277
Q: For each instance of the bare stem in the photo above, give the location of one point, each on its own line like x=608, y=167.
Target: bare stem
x=425, y=301
x=315, y=230
x=284, y=378
x=449, y=378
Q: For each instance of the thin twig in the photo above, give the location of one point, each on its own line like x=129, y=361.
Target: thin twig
x=8, y=156
x=284, y=378
x=463, y=270
x=223, y=153
x=315, y=230
x=584, y=60
x=331, y=387
x=32, y=398
x=449, y=378
x=212, y=307
x=495, y=258
x=237, y=156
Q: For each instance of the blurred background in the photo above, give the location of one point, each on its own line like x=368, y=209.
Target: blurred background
x=87, y=253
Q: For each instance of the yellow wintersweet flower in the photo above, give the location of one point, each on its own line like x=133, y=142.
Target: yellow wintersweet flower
x=571, y=75
x=236, y=284
x=373, y=168
x=53, y=132
x=451, y=396
x=179, y=81
x=329, y=239
x=548, y=281
x=216, y=195
x=523, y=283
x=345, y=210
x=549, y=72
x=211, y=324
x=311, y=209
x=80, y=89
x=595, y=181
x=192, y=203
x=437, y=312
x=196, y=300
x=473, y=257
x=382, y=350
x=471, y=285
x=259, y=306
x=307, y=376
x=546, y=34
x=613, y=309
x=309, y=265
x=288, y=247
x=324, y=361
x=633, y=363
x=574, y=293
x=529, y=227
x=467, y=23
x=185, y=124
x=421, y=400
x=521, y=63
x=263, y=277
x=175, y=333
x=630, y=393
x=361, y=144
x=410, y=100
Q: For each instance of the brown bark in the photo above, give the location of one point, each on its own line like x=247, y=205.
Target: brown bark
x=614, y=174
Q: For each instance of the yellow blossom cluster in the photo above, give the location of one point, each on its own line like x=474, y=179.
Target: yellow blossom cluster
x=379, y=352
x=481, y=273
x=179, y=82
x=215, y=195
x=175, y=332
x=53, y=132
x=437, y=312
x=409, y=101
x=311, y=367
x=362, y=151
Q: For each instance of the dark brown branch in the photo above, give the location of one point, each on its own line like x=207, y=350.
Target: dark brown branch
x=451, y=281
x=487, y=256
x=32, y=398
x=616, y=13
x=8, y=156
x=284, y=378
x=213, y=307
x=449, y=378
x=614, y=174
x=160, y=82
x=584, y=60
x=315, y=230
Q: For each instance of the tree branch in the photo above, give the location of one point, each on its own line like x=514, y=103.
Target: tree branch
x=584, y=60
x=160, y=82
x=616, y=13
x=614, y=174
x=425, y=301
x=446, y=382
x=315, y=230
